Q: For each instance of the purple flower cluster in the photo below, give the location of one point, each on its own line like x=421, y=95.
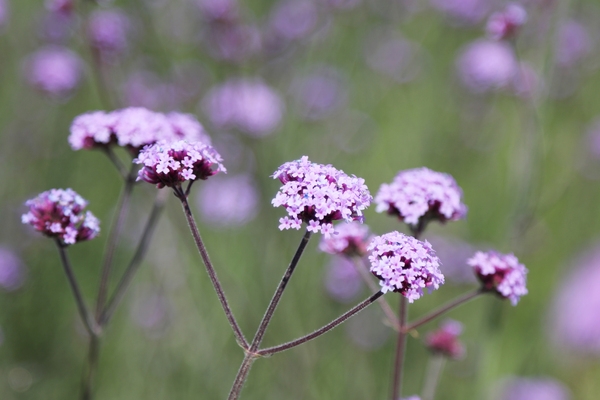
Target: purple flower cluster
x=133, y=128
x=318, y=195
x=107, y=31
x=521, y=388
x=171, y=163
x=486, y=65
x=60, y=213
x=444, y=341
x=351, y=239
x=404, y=265
x=54, y=70
x=12, y=270
x=500, y=273
x=419, y=195
x=248, y=105
x=506, y=23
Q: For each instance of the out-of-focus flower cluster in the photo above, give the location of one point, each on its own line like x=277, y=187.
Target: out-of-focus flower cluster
x=171, y=163
x=444, y=341
x=351, y=239
x=521, y=388
x=60, y=213
x=421, y=194
x=318, y=195
x=500, y=273
x=54, y=70
x=404, y=265
x=133, y=128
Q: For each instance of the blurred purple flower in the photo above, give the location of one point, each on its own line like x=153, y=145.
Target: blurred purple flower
x=394, y=56
x=342, y=281
x=4, y=13
x=574, y=316
x=60, y=6
x=145, y=89
x=249, y=105
x=228, y=201
x=487, y=65
x=351, y=239
x=574, y=44
x=505, y=24
x=234, y=42
x=12, y=270
x=319, y=93
x=592, y=143
x=107, y=31
x=150, y=311
x=413, y=397
x=54, y=70
x=59, y=213
x=57, y=27
x=454, y=254
x=463, y=12
x=219, y=10
x=294, y=19
x=527, y=82
x=538, y=388
x=404, y=265
x=318, y=194
x=444, y=340
x=501, y=274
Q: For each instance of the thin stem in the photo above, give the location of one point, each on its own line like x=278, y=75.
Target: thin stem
x=361, y=268
x=241, y=376
x=116, y=162
x=88, y=382
x=260, y=332
x=135, y=262
x=210, y=269
x=434, y=371
x=339, y=320
x=111, y=244
x=400, y=349
x=88, y=322
x=446, y=307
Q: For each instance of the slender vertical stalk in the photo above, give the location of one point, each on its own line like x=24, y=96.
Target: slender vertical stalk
x=434, y=370
x=116, y=162
x=136, y=261
x=339, y=320
x=244, y=370
x=88, y=322
x=90, y=374
x=361, y=268
x=111, y=243
x=400, y=349
x=210, y=269
x=445, y=308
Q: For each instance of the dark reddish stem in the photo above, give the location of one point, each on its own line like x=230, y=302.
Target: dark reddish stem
x=400, y=350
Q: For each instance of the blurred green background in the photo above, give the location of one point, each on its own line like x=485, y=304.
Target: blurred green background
x=522, y=161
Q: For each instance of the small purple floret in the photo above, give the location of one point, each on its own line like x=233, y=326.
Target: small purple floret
x=171, y=163
x=500, y=273
x=60, y=213
x=421, y=194
x=404, y=265
x=318, y=195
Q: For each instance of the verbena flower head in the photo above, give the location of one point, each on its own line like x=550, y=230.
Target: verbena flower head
x=12, y=270
x=351, y=239
x=60, y=213
x=522, y=388
x=506, y=23
x=500, y=273
x=419, y=195
x=404, y=264
x=107, y=31
x=54, y=70
x=318, y=195
x=91, y=130
x=171, y=163
x=444, y=341
x=487, y=65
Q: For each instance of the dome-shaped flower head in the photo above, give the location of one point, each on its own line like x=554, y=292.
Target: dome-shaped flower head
x=486, y=65
x=506, y=23
x=107, y=31
x=187, y=127
x=171, y=163
x=351, y=239
x=92, y=130
x=500, y=273
x=444, y=341
x=318, y=195
x=54, y=70
x=404, y=264
x=419, y=195
x=60, y=213
x=526, y=388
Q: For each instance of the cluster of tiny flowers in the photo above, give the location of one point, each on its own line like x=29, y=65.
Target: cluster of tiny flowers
x=444, y=341
x=318, y=195
x=500, y=273
x=421, y=193
x=171, y=163
x=107, y=30
x=504, y=24
x=404, y=264
x=60, y=213
x=350, y=238
x=54, y=70
x=133, y=128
